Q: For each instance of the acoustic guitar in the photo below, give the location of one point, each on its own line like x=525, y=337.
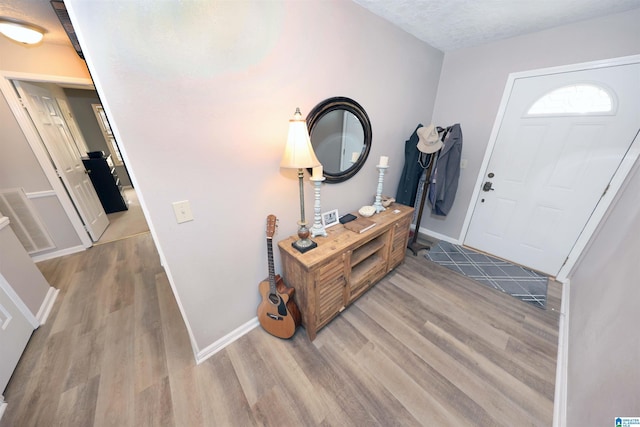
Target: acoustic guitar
x=278, y=313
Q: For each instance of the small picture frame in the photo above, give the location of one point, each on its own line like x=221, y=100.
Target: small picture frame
x=330, y=218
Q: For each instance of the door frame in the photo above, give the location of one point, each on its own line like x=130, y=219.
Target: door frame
x=33, y=138
x=65, y=151
x=615, y=184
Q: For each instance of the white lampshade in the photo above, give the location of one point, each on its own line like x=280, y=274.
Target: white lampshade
x=22, y=32
x=298, y=153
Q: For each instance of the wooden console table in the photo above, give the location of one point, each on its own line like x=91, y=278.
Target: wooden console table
x=344, y=265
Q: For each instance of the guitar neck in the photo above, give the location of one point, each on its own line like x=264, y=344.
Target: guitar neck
x=272, y=273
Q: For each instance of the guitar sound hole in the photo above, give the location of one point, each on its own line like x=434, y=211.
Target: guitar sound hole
x=274, y=299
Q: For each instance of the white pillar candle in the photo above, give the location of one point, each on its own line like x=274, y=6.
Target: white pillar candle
x=317, y=172
x=384, y=161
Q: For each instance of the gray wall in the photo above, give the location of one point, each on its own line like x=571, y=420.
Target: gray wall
x=18, y=165
x=604, y=343
x=20, y=272
x=203, y=116
x=603, y=373
x=80, y=101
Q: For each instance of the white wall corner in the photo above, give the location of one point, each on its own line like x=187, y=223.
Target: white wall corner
x=47, y=305
x=57, y=254
x=562, y=361
x=215, y=347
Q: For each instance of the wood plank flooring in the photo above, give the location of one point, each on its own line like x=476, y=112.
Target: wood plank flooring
x=423, y=347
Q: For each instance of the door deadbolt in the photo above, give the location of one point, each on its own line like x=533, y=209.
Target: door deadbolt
x=487, y=186
x=491, y=175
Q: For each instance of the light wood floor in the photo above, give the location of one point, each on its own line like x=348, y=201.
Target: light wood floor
x=423, y=347
x=126, y=223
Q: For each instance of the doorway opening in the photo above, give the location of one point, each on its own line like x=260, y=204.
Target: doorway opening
x=82, y=144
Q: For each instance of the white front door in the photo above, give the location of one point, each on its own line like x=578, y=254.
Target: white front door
x=15, y=331
x=561, y=139
x=55, y=134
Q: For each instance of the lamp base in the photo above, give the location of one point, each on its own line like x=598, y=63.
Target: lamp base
x=305, y=245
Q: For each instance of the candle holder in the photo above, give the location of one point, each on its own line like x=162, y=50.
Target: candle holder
x=378, y=203
x=317, y=229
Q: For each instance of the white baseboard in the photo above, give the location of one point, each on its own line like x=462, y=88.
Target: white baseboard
x=439, y=236
x=56, y=254
x=47, y=305
x=215, y=347
x=562, y=362
x=3, y=406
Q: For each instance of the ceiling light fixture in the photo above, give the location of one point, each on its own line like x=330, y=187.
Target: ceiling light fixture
x=21, y=31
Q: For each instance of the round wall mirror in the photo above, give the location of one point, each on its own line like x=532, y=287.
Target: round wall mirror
x=340, y=133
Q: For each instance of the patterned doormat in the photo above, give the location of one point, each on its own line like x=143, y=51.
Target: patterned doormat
x=524, y=284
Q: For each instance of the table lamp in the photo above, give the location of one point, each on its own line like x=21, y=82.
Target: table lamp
x=298, y=154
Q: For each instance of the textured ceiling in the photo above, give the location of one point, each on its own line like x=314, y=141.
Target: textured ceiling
x=452, y=24
x=444, y=24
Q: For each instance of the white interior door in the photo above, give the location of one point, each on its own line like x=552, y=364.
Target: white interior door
x=73, y=126
x=15, y=331
x=560, y=141
x=57, y=137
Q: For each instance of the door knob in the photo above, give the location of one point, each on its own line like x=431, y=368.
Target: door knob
x=487, y=186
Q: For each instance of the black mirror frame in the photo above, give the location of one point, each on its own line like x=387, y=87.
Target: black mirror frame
x=348, y=104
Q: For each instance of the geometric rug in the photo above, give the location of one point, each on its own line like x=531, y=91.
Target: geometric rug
x=517, y=281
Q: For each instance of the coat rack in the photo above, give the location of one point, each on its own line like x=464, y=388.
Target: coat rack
x=413, y=245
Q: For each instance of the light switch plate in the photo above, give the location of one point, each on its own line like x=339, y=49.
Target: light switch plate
x=182, y=210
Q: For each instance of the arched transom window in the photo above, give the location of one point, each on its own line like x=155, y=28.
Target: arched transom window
x=582, y=98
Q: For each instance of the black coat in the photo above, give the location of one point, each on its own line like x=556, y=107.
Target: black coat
x=408, y=185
